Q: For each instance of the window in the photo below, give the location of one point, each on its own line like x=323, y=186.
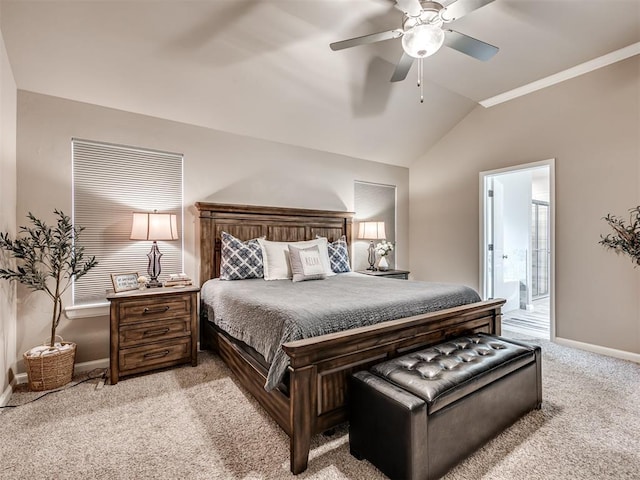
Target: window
x=110, y=182
x=374, y=202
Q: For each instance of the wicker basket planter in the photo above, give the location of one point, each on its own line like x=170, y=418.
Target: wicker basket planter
x=49, y=368
x=48, y=259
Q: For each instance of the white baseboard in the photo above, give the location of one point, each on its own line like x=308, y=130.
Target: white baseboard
x=610, y=352
x=78, y=368
x=6, y=395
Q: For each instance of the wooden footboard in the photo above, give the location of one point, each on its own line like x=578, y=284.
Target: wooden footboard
x=320, y=366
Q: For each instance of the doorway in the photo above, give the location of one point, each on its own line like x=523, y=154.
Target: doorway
x=516, y=247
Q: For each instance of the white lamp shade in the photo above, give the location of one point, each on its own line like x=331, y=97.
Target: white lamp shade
x=371, y=231
x=154, y=226
x=423, y=40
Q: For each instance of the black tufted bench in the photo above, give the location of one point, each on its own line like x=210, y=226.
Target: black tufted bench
x=418, y=415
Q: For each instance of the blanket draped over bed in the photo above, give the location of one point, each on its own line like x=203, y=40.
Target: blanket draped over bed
x=267, y=314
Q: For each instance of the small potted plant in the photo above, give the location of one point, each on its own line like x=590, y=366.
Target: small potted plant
x=48, y=259
x=142, y=282
x=383, y=249
x=626, y=238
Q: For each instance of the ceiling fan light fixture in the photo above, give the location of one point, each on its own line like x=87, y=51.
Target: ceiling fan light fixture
x=422, y=40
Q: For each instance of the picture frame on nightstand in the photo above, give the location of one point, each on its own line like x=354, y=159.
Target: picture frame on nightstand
x=123, y=282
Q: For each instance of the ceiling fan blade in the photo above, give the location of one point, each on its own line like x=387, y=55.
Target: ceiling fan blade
x=460, y=8
x=403, y=67
x=372, y=38
x=469, y=45
x=410, y=7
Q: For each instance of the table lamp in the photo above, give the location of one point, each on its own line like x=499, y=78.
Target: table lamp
x=154, y=226
x=371, y=231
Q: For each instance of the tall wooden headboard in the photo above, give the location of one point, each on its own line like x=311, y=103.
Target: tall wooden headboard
x=275, y=223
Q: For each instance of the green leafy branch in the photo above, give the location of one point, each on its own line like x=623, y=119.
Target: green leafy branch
x=626, y=238
x=49, y=259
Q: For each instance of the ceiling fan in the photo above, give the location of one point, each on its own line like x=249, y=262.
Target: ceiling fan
x=423, y=33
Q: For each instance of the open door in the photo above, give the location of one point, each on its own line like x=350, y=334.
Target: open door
x=509, y=198
x=516, y=255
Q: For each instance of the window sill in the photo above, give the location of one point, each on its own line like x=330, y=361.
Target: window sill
x=86, y=311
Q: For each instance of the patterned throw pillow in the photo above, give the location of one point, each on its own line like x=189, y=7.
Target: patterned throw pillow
x=240, y=260
x=339, y=255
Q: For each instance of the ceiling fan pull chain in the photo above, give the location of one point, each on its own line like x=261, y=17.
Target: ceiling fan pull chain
x=420, y=82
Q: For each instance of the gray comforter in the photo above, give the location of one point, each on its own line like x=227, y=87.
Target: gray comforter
x=266, y=314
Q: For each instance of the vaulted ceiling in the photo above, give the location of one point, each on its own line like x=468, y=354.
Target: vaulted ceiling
x=263, y=68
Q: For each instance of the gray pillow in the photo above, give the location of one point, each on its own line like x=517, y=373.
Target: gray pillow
x=306, y=263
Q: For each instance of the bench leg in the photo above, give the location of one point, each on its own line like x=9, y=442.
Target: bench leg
x=355, y=454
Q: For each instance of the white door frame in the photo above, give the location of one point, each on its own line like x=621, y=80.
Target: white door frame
x=552, y=234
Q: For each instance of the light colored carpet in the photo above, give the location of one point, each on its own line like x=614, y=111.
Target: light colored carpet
x=197, y=423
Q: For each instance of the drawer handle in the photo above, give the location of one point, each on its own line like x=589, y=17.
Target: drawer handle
x=155, y=310
x=155, y=333
x=156, y=354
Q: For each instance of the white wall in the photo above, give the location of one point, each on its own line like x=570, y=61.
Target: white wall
x=7, y=217
x=218, y=167
x=591, y=126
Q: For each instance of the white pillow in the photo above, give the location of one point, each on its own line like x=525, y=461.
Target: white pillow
x=275, y=256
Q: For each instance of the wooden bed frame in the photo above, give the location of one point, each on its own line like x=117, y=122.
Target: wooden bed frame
x=317, y=394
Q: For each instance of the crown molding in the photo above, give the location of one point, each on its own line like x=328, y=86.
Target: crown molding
x=586, y=67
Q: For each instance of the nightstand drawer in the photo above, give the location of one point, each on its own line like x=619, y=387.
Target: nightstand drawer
x=141, y=333
x=169, y=353
x=143, y=310
x=401, y=276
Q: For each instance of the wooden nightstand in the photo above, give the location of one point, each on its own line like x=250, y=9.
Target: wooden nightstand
x=151, y=329
x=402, y=274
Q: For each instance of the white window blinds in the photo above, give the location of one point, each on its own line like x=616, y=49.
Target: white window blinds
x=110, y=182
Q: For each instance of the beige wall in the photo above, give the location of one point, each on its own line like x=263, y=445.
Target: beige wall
x=591, y=126
x=7, y=215
x=218, y=167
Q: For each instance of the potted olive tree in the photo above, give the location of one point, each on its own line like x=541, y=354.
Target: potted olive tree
x=626, y=238
x=48, y=259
